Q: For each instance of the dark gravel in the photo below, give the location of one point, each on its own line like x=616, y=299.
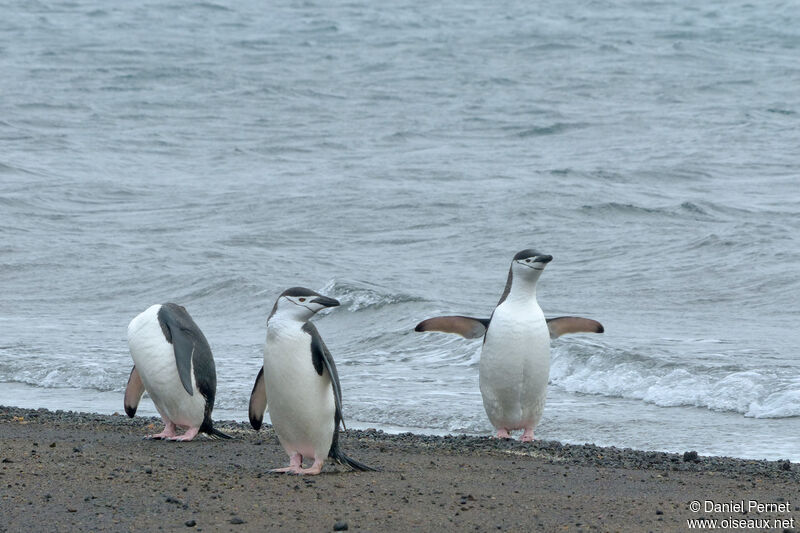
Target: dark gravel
x=82, y=471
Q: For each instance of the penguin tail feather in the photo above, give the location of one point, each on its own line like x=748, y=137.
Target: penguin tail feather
x=338, y=455
x=214, y=433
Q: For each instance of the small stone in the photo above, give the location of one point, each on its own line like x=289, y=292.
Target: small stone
x=190, y=523
x=7, y=460
x=340, y=526
x=52, y=444
x=690, y=457
x=659, y=511
x=236, y=520
x=148, y=470
x=786, y=465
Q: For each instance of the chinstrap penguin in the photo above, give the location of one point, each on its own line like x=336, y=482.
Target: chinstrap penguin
x=299, y=385
x=515, y=357
x=173, y=362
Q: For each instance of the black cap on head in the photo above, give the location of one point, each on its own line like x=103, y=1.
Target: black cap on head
x=299, y=291
x=317, y=297
x=524, y=254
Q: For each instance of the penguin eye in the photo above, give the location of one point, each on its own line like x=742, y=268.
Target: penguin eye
x=302, y=299
x=528, y=260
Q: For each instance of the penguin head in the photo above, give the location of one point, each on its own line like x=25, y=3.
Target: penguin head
x=528, y=264
x=300, y=303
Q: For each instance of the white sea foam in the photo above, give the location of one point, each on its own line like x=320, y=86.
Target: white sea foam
x=591, y=369
x=87, y=375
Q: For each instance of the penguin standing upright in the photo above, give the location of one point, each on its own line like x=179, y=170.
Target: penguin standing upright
x=173, y=362
x=515, y=357
x=300, y=384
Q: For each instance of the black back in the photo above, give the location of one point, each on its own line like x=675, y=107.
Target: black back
x=191, y=349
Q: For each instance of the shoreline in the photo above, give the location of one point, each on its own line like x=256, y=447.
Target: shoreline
x=14, y=394
x=86, y=471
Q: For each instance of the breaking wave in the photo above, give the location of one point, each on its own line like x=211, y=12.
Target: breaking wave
x=357, y=295
x=757, y=393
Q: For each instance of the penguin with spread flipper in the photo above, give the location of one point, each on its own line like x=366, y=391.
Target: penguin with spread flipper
x=515, y=357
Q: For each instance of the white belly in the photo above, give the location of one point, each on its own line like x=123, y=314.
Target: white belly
x=301, y=402
x=155, y=361
x=515, y=366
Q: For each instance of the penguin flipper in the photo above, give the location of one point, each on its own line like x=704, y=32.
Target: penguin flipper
x=466, y=326
x=323, y=360
x=133, y=392
x=258, y=401
x=178, y=326
x=572, y=324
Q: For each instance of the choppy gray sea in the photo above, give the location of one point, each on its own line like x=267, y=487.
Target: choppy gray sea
x=396, y=156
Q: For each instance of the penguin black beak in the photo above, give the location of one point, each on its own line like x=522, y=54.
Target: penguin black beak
x=543, y=259
x=324, y=300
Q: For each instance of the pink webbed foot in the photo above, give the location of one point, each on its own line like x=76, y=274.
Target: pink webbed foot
x=186, y=437
x=167, y=433
x=286, y=470
x=158, y=436
x=527, y=436
x=503, y=433
x=295, y=465
x=313, y=470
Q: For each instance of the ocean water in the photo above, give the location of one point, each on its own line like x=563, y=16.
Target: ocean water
x=396, y=156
